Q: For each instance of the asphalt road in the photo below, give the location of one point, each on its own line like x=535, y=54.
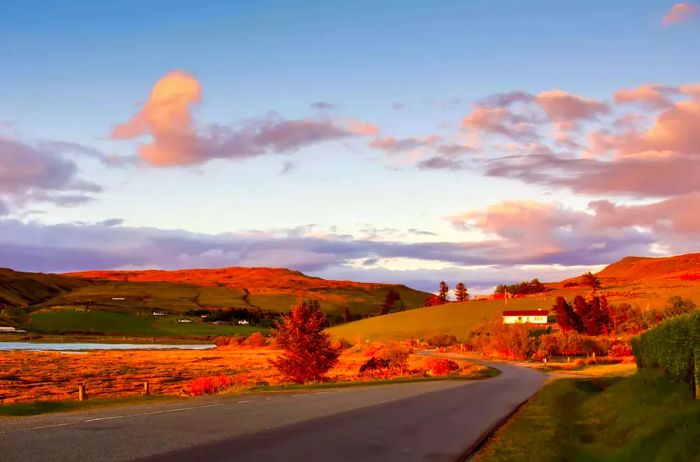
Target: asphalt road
x=430, y=421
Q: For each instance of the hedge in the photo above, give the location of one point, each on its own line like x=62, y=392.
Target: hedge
x=673, y=345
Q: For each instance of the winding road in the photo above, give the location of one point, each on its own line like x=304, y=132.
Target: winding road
x=429, y=421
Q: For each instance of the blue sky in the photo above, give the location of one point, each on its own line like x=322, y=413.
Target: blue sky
x=72, y=71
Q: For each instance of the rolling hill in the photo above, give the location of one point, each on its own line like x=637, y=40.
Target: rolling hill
x=644, y=282
x=122, y=302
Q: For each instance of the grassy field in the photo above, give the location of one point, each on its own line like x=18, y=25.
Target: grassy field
x=602, y=419
x=119, y=323
x=453, y=318
x=459, y=318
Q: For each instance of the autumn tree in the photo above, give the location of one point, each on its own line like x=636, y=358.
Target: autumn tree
x=433, y=300
x=567, y=318
x=308, y=353
x=461, y=294
x=347, y=315
x=590, y=280
x=444, y=289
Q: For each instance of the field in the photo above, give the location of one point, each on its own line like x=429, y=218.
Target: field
x=126, y=323
x=49, y=376
x=459, y=318
x=602, y=419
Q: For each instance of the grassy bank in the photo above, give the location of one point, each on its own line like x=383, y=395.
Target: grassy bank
x=643, y=417
x=47, y=407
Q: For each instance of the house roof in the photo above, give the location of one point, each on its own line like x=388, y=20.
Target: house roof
x=525, y=312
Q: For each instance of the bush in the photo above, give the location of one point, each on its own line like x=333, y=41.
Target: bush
x=673, y=345
x=256, y=339
x=208, y=385
x=442, y=340
x=440, y=366
x=620, y=350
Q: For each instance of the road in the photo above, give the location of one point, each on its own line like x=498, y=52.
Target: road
x=429, y=421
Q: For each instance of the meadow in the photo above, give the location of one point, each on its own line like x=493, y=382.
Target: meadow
x=459, y=319
x=52, y=376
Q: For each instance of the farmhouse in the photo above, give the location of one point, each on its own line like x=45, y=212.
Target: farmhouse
x=243, y=322
x=525, y=316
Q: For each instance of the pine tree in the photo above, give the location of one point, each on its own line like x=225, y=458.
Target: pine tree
x=444, y=289
x=392, y=298
x=461, y=294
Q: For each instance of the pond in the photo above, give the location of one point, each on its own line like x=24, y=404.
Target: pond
x=37, y=346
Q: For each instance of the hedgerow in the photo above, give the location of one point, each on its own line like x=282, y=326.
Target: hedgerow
x=673, y=345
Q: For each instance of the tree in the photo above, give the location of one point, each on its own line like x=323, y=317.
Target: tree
x=567, y=318
x=461, y=294
x=444, y=289
x=433, y=300
x=677, y=306
x=392, y=298
x=308, y=353
x=347, y=315
x=589, y=279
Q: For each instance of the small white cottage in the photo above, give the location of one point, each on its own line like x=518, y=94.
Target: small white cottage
x=525, y=316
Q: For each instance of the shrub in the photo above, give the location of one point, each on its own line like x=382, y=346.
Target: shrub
x=440, y=366
x=673, y=345
x=256, y=339
x=620, y=350
x=442, y=340
x=208, y=385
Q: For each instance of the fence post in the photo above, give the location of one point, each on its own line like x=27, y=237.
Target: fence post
x=146, y=388
x=81, y=392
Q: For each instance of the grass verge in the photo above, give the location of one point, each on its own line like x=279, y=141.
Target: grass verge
x=643, y=417
x=479, y=375
x=47, y=407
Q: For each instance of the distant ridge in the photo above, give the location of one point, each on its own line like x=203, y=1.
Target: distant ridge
x=685, y=266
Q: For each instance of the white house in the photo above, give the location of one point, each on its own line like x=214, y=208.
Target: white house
x=525, y=316
x=11, y=330
x=184, y=320
x=158, y=313
x=243, y=322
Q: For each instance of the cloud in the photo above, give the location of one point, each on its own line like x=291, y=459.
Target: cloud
x=390, y=144
x=561, y=106
x=680, y=12
x=323, y=106
x=589, y=146
x=441, y=163
x=176, y=141
x=288, y=167
x=653, y=96
x=30, y=174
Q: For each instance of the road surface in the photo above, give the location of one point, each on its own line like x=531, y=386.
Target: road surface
x=429, y=421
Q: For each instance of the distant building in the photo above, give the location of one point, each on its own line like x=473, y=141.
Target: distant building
x=11, y=330
x=118, y=299
x=184, y=320
x=243, y=322
x=158, y=313
x=525, y=316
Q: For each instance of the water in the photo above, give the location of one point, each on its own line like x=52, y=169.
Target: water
x=36, y=346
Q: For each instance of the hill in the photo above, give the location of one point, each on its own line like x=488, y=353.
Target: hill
x=24, y=289
x=644, y=268
x=643, y=282
x=271, y=289
x=124, y=302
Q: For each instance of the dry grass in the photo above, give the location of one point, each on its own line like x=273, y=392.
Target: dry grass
x=54, y=376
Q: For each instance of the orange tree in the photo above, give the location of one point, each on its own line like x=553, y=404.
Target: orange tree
x=308, y=353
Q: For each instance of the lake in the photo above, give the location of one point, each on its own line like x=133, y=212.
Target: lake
x=36, y=346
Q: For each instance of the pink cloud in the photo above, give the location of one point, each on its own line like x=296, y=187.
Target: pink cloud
x=175, y=140
x=680, y=12
x=561, y=106
x=654, y=96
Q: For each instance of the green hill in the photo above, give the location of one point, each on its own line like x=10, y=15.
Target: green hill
x=643, y=282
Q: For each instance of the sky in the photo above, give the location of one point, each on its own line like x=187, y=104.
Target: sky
x=394, y=141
